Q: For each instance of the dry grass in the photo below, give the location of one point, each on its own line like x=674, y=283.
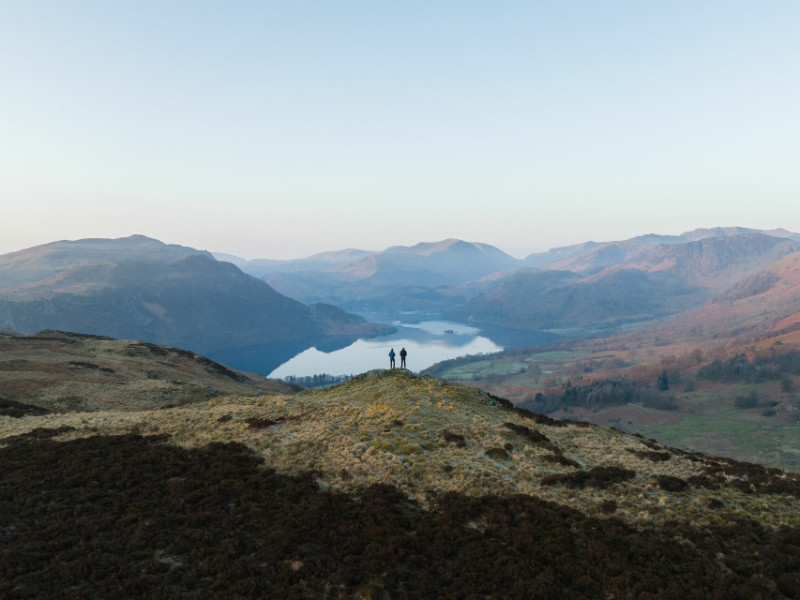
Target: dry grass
x=68, y=372
x=398, y=428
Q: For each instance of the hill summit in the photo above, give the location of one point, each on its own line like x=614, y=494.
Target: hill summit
x=390, y=485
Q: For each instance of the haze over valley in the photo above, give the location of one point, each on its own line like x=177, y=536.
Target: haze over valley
x=629, y=316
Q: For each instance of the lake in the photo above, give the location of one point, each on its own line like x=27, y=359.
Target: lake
x=427, y=342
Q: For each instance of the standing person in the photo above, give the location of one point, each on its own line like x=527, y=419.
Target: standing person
x=403, y=355
x=391, y=358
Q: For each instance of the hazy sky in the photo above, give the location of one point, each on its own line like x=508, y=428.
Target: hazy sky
x=279, y=129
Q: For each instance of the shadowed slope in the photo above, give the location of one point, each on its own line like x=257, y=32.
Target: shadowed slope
x=221, y=504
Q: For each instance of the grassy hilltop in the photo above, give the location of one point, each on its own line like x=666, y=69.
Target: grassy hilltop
x=392, y=485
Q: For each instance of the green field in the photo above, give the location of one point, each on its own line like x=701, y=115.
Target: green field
x=557, y=355
x=482, y=368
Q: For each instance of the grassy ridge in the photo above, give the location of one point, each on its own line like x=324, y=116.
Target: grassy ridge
x=390, y=485
x=136, y=517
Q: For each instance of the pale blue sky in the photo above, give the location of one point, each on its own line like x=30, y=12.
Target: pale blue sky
x=279, y=129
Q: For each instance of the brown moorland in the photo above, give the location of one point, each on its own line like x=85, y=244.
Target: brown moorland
x=59, y=371
x=390, y=485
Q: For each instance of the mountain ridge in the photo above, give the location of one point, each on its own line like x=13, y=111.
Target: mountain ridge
x=139, y=288
x=666, y=280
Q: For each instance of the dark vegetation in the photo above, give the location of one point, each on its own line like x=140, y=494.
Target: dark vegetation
x=256, y=423
x=78, y=364
x=752, y=477
x=771, y=366
x=535, y=437
x=650, y=454
x=560, y=459
x=131, y=516
x=671, y=484
x=454, y=438
x=498, y=453
x=11, y=408
x=315, y=381
x=601, y=394
x=597, y=477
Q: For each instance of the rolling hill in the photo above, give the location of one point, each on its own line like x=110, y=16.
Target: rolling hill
x=391, y=485
x=56, y=371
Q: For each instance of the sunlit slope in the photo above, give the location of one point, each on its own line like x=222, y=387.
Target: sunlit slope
x=764, y=305
x=67, y=372
x=427, y=436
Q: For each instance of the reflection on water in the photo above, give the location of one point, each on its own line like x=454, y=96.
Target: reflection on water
x=427, y=342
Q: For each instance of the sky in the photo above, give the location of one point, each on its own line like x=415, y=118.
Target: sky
x=278, y=129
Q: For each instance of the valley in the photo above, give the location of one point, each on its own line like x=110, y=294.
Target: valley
x=574, y=317
x=655, y=448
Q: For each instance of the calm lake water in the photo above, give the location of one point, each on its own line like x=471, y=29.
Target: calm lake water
x=426, y=344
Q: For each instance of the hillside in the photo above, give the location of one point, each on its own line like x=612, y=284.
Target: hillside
x=752, y=328
x=322, y=261
x=391, y=485
x=429, y=272
x=58, y=371
x=612, y=253
x=134, y=288
x=762, y=305
x=562, y=300
x=665, y=280
x=42, y=262
x=591, y=257
x=716, y=263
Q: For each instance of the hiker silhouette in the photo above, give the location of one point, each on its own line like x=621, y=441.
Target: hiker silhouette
x=403, y=355
x=391, y=358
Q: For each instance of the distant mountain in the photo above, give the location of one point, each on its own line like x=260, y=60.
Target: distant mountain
x=429, y=264
x=610, y=254
x=370, y=282
x=40, y=262
x=135, y=288
x=543, y=259
x=666, y=280
x=259, y=267
x=565, y=300
x=699, y=234
x=716, y=263
x=593, y=256
x=765, y=304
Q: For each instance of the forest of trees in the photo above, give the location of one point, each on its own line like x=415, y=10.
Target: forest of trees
x=758, y=369
x=315, y=381
x=601, y=394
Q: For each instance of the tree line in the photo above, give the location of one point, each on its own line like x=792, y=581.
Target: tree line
x=601, y=394
x=315, y=381
x=758, y=369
